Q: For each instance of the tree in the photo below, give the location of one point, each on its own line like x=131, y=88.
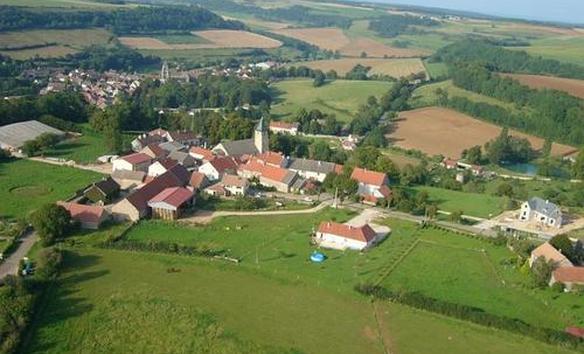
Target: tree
x=320, y=150
x=473, y=155
x=431, y=211
x=505, y=189
x=386, y=165
x=51, y=221
x=456, y=216
x=375, y=138
x=4, y=155
x=31, y=147
x=319, y=78
x=365, y=157
x=563, y=244
x=541, y=271
x=578, y=166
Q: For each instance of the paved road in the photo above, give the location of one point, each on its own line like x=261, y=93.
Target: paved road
x=11, y=264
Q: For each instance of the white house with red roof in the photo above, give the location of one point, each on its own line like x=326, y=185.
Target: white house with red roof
x=282, y=179
x=342, y=236
x=171, y=202
x=235, y=185
x=134, y=162
x=284, y=127
x=372, y=185
x=272, y=158
x=160, y=167
x=88, y=216
x=201, y=154
x=216, y=168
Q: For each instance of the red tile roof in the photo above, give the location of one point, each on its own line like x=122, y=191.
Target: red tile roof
x=223, y=163
x=139, y=199
x=167, y=163
x=205, y=153
x=175, y=196
x=271, y=158
x=550, y=253
x=368, y=177
x=84, y=213
x=235, y=181
x=273, y=173
x=156, y=150
x=283, y=125
x=198, y=180
x=569, y=275
x=363, y=233
x=137, y=158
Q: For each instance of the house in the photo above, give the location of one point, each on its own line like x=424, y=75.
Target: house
x=103, y=191
x=449, y=164
x=272, y=158
x=88, y=216
x=341, y=236
x=216, y=190
x=135, y=206
x=160, y=167
x=216, y=168
x=549, y=253
x=313, y=169
x=144, y=140
x=13, y=136
x=235, y=185
x=201, y=154
x=569, y=276
x=183, y=158
x=372, y=185
x=256, y=145
x=542, y=212
x=171, y=203
x=198, y=181
x=154, y=151
x=128, y=179
x=133, y=162
x=281, y=179
x=158, y=132
x=279, y=127
x=183, y=137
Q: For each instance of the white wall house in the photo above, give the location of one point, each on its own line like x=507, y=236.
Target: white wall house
x=341, y=236
x=542, y=212
x=134, y=162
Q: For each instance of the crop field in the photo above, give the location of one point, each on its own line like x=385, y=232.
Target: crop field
x=211, y=39
x=396, y=68
x=26, y=185
x=340, y=97
x=435, y=130
x=335, y=39
x=570, y=86
x=50, y=43
x=473, y=204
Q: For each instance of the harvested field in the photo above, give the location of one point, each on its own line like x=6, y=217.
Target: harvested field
x=392, y=67
x=335, y=39
x=53, y=51
x=571, y=86
x=216, y=38
x=436, y=130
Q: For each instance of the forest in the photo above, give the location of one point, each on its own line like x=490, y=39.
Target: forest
x=394, y=25
x=124, y=21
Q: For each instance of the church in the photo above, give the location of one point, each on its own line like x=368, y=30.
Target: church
x=254, y=146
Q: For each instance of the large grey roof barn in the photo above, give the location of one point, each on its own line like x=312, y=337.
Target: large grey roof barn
x=13, y=136
x=544, y=207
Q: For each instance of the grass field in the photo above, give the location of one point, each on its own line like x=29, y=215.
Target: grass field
x=568, y=49
x=435, y=130
x=396, y=68
x=570, y=86
x=473, y=204
x=400, y=158
x=25, y=185
x=85, y=4
x=340, y=97
x=51, y=43
x=472, y=272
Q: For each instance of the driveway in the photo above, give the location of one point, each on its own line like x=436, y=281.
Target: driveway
x=11, y=264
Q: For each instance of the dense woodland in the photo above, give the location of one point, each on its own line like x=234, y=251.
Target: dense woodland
x=125, y=21
x=394, y=25
x=498, y=59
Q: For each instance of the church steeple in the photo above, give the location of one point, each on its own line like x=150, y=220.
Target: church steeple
x=260, y=137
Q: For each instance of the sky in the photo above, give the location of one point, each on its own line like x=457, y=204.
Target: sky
x=571, y=11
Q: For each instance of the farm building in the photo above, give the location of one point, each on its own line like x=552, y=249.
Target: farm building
x=154, y=151
x=216, y=190
x=313, y=169
x=541, y=212
x=372, y=185
x=171, y=203
x=128, y=179
x=281, y=179
x=183, y=137
x=198, y=181
x=133, y=162
x=284, y=127
x=171, y=146
x=201, y=154
x=160, y=167
x=549, y=253
x=103, y=191
x=569, y=276
x=341, y=236
x=216, y=168
x=272, y=158
x=183, y=158
x=13, y=136
x=88, y=216
x=235, y=185
x=144, y=140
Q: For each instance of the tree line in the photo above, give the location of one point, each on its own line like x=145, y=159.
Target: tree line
x=394, y=25
x=123, y=21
